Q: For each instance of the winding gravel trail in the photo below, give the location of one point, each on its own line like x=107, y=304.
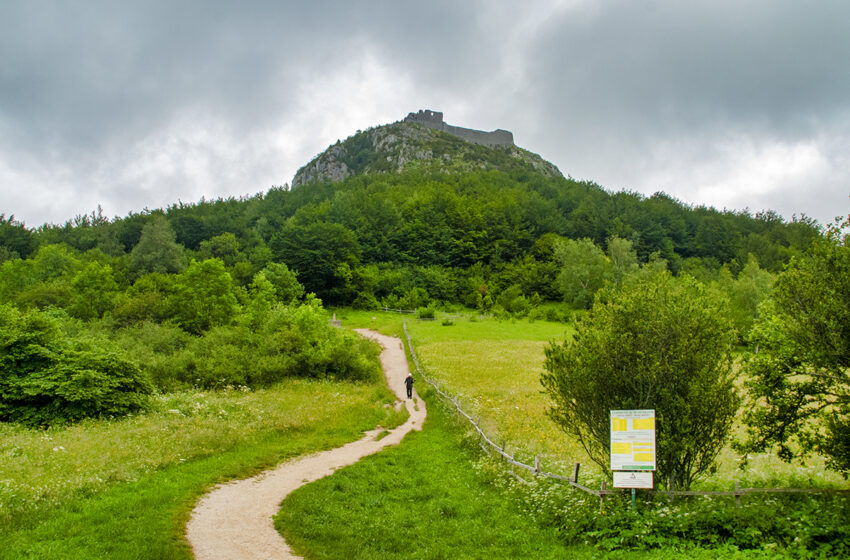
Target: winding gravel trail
x=234, y=520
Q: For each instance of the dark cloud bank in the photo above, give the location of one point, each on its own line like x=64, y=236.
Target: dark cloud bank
x=718, y=103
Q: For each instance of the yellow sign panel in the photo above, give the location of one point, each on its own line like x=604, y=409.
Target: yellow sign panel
x=619, y=424
x=644, y=423
x=621, y=447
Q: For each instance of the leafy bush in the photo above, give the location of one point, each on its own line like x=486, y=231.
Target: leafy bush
x=160, y=350
x=803, y=526
x=788, y=525
x=290, y=341
x=366, y=301
x=285, y=282
x=46, y=379
x=798, y=383
x=555, y=314
x=425, y=312
x=150, y=298
x=513, y=301
x=415, y=298
x=204, y=296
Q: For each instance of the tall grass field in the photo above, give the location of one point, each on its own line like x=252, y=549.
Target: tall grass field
x=124, y=488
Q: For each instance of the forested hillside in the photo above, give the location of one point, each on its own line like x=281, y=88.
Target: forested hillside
x=458, y=221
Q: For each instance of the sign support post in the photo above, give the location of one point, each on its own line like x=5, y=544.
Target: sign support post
x=633, y=449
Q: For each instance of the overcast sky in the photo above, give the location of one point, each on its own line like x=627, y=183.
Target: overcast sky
x=733, y=104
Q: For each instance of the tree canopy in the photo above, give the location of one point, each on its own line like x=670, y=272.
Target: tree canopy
x=800, y=376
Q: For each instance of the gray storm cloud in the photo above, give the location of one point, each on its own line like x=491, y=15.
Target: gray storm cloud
x=138, y=105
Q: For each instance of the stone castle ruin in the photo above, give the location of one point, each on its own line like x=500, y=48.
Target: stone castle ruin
x=434, y=119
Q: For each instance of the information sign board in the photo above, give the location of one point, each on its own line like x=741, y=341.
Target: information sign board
x=633, y=440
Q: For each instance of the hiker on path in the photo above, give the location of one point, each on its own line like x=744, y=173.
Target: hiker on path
x=408, y=382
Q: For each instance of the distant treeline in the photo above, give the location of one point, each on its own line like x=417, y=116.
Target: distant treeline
x=421, y=236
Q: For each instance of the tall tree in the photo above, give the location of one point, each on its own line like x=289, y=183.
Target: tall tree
x=93, y=291
x=204, y=296
x=16, y=241
x=157, y=250
x=584, y=270
x=800, y=377
x=318, y=253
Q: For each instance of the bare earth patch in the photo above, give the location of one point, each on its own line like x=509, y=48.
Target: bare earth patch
x=234, y=520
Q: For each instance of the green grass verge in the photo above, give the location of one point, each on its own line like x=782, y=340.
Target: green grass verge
x=125, y=488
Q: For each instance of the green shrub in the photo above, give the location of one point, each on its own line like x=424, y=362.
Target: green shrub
x=366, y=301
x=803, y=526
x=205, y=296
x=425, y=313
x=513, y=301
x=290, y=341
x=787, y=525
x=414, y=299
x=47, y=379
x=558, y=315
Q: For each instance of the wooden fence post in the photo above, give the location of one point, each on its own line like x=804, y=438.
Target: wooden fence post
x=737, y=495
x=575, y=473
x=601, y=493
x=537, y=463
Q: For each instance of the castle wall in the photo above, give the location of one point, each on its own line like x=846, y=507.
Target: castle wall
x=496, y=138
x=434, y=119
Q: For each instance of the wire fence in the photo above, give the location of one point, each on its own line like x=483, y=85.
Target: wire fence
x=489, y=446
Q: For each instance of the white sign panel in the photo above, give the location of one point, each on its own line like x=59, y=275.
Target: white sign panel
x=633, y=440
x=633, y=479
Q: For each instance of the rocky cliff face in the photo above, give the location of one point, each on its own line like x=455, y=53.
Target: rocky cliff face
x=401, y=146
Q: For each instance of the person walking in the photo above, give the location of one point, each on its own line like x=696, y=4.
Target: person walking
x=408, y=382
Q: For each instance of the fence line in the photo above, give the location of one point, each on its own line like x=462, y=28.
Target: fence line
x=402, y=311
x=414, y=311
x=603, y=491
x=502, y=452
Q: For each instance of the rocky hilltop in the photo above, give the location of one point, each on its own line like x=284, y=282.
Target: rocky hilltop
x=421, y=142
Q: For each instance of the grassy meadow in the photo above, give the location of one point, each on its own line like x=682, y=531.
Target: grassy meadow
x=494, y=367
x=124, y=488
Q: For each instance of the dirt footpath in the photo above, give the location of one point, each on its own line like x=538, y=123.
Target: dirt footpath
x=234, y=521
